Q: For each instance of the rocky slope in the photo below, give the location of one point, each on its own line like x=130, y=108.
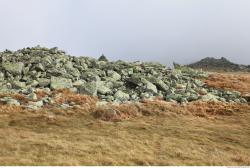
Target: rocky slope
x=31, y=69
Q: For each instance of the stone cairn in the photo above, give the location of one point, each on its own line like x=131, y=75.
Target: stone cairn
x=26, y=70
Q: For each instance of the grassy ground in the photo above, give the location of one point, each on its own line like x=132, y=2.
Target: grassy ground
x=152, y=134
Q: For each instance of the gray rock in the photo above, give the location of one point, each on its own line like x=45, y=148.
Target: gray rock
x=37, y=104
x=150, y=88
x=1, y=76
x=159, y=83
x=121, y=96
x=39, y=67
x=113, y=75
x=79, y=83
x=10, y=101
x=18, y=85
x=13, y=68
x=209, y=97
x=104, y=90
x=60, y=83
x=88, y=89
x=65, y=106
x=32, y=96
x=43, y=82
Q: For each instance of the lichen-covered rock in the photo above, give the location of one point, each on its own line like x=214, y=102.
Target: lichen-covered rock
x=18, y=85
x=14, y=68
x=149, y=87
x=113, y=75
x=60, y=83
x=121, y=96
x=104, y=90
x=89, y=89
x=43, y=82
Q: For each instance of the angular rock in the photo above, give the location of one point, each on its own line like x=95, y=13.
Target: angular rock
x=13, y=68
x=103, y=90
x=121, y=96
x=60, y=83
x=113, y=75
x=18, y=85
x=43, y=82
x=88, y=89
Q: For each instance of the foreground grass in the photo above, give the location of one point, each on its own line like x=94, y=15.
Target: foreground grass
x=150, y=133
x=32, y=138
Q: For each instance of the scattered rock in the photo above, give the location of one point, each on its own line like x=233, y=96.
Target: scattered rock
x=10, y=101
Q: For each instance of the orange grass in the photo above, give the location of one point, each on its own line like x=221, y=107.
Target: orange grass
x=230, y=81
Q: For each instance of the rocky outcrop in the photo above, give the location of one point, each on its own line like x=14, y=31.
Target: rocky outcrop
x=222, y=64
x=28, y=69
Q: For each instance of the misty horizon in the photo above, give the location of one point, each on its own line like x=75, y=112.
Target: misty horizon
x=162, y=31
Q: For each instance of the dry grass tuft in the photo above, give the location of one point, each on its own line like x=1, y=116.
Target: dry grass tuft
x=68, y=97
x=230, y=81
x=41, y=94
x=9, y=109
x=19, y=97
x=156, y=108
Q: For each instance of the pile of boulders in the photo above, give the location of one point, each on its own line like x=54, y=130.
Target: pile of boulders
x=28, y=69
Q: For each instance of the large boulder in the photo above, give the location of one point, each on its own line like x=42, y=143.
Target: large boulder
x=102, y=89
x=113, y=75
x=13, y=68
x=89, y=89
x=60, y=83
x=150, y=87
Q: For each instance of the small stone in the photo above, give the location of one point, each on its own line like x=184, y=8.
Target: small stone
x=32, y=96
x=36, y=104
x=65, y=106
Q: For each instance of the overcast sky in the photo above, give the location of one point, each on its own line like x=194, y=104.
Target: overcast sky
x=149, y=30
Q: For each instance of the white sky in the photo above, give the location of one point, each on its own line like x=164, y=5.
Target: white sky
x=149, y=30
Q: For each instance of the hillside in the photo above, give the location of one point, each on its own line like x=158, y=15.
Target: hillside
x=222, y=64
x=57, y=109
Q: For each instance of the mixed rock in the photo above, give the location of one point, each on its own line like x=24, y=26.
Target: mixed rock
x=29, y=69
